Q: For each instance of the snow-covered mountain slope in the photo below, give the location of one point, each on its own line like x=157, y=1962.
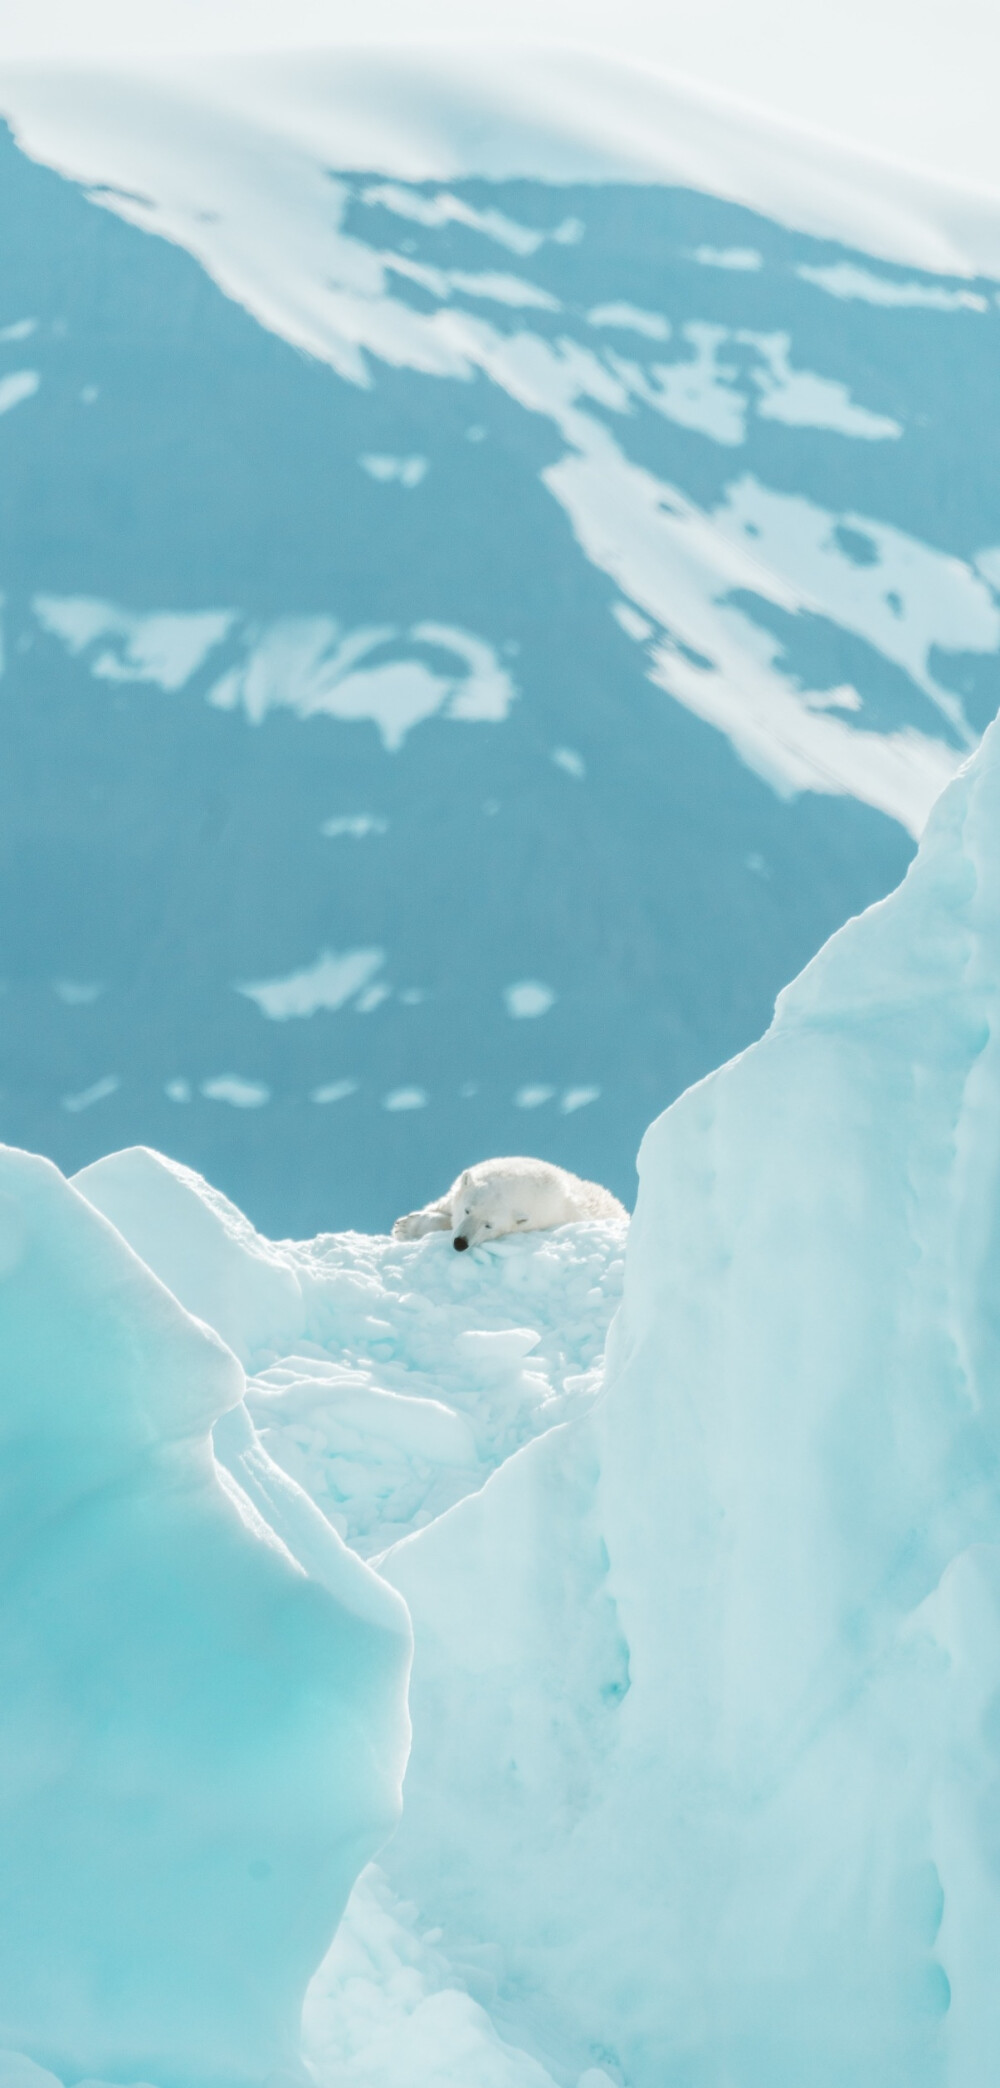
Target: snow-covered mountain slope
x=468, y=640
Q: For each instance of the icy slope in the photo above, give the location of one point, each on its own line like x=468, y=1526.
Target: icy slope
x=389, y=1377
x=468, y=641
x=202, y=1693
x=721, y=1772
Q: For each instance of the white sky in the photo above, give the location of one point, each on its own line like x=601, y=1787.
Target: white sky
x=914, y=78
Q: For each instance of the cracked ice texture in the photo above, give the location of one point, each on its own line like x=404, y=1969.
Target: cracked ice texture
x=722, y=1775
x=202, y=1693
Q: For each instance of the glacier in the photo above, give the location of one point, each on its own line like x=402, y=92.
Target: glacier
x=202, y=1690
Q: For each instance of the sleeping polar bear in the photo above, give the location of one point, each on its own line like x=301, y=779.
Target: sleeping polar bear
x=504, y=1196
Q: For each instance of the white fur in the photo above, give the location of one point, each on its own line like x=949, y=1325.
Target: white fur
x=504, y=1196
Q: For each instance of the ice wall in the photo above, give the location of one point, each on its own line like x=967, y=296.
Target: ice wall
x=202, y=1693
x=203, y=1248
x=707, y=1687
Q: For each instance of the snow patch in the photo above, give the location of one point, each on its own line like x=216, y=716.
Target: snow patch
x=845, y=279
x=528, y=997
x=16, y=387
x=630, y=319
x=357, y=824
x=403, y=471
x=238, y=1092
x=98, y=1092
x=741, y=259
x=166, y=647
x=308, y=665
x=329, y=983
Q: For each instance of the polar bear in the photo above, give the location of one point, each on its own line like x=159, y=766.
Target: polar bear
x=504, y=1196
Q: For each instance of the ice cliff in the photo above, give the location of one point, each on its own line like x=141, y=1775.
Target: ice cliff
x=707, y=1686
x=202, y=1692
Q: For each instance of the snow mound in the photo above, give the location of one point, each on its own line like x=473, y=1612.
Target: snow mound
x=202, y=1715
x=705, y=1683
x=391, y=1377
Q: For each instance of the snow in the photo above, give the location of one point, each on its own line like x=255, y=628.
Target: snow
x=236, y=1090
x=631, y=319
x=331, y=982
x=528, y=998
x=439, y=115
x=706, y=1644
x=706, y=1637
x=77, y=993
x=388, y=1377
x=403, y=471
x=98, y=1091
x=280, y=234
x=357, y=824
x=202, y=1701
x=308, y=665
x=905, y=597
x=739, y=258
x=201, y=1247
x=803, y=400
x=680, y=567
x=405, y=1098
x=164, y=647
x=334, y=1091
x=16, y=387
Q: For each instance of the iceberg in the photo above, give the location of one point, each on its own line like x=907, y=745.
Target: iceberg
x=706, y=1679
x=202, y=1691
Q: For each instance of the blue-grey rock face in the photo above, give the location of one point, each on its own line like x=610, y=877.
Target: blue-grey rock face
x=369, y=803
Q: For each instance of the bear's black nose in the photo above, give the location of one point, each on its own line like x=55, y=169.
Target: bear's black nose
x=460, y=1243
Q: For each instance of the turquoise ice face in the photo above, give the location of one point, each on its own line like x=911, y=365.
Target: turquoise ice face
x=451, y=746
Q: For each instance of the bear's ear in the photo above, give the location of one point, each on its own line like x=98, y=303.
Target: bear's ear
x=465, y=1178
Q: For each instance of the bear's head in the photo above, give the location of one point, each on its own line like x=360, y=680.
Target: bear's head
x=485, y=1210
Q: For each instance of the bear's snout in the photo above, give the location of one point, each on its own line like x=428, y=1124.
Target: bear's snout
x=461, y=1243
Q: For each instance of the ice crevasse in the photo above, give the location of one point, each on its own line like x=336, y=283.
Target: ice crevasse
x=202, y=1691
x=706, y=1693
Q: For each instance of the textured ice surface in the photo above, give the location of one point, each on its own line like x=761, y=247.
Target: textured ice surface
x=202, y=1716
x=705, y=1685
x=388, y=1377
